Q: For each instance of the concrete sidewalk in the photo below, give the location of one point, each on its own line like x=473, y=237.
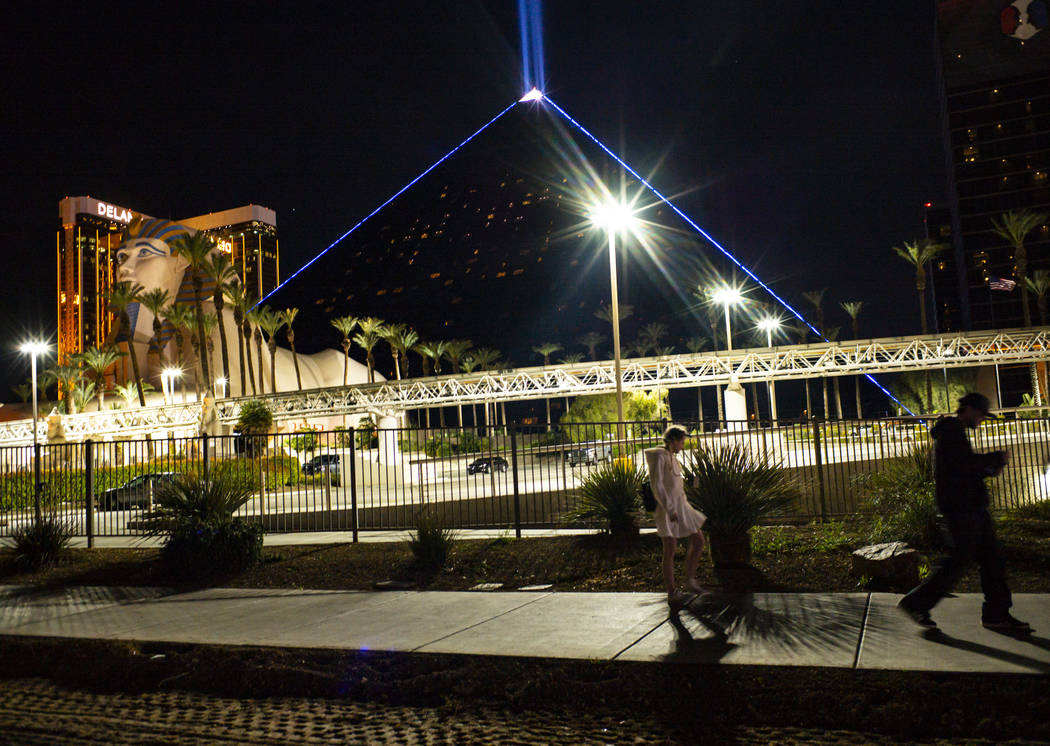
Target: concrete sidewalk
x=842, y=630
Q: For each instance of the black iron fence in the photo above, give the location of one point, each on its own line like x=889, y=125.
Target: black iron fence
x=516, y=476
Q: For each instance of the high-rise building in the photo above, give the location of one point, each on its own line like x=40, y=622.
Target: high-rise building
x=89, y=233
x=994, y=65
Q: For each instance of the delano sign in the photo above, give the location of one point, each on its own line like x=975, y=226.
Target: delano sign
x=120, y=214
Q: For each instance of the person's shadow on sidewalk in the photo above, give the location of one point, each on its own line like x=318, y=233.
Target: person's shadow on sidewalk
x=1034, y=664
x=708, y=649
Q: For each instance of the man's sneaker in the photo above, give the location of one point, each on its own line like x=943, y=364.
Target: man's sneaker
x=922, y=618
x=1007, y=623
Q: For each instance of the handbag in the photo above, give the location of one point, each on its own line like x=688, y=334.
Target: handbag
x=648, y=498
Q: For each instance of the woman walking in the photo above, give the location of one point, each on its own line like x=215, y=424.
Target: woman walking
x=675, y=517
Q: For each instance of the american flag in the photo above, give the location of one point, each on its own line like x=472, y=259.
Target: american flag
x=1000, y=283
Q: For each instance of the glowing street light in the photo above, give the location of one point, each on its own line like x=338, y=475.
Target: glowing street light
x=727, y=296
x=34, y=349
x=614, y=217
x=167, y=380
x=220, y=388
x=771, y=324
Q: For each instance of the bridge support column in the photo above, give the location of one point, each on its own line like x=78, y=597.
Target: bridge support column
x=736, y=406
x=389, y=447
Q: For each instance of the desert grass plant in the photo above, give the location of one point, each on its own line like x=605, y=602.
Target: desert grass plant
x=203, y=536
x=1038, y=511
x=611, y=497
x=736, y=488
x=900, y=499
x=40, y=544
x=431, y=542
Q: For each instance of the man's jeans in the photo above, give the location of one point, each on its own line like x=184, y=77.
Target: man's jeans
x=967, y=537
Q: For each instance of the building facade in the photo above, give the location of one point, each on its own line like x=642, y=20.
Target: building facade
x=994, y=70
x=91, y=230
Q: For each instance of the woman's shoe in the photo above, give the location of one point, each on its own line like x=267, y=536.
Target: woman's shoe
x=678, y=599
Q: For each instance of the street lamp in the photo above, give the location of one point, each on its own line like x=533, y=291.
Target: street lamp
x=220, y=388
x=770, y=325
x=33, y=349
x=167, y=379
x=727, y=296
x=614, y=217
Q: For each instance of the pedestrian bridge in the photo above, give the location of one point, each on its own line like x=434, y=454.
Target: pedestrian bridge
x=755, y=364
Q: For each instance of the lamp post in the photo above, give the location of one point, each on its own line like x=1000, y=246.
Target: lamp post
x=220, y=388
x=728, y=296
x=33, y=349
x=770, y=325
x=614, y=217
x=167, y=381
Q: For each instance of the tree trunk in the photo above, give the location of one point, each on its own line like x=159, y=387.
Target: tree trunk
x=224, y=347
x=247, y=339
x=827, y=413
x=721, y=406
x=125, y=321
x=700, y=406
x=838, y=398
x=272, y=345
x=295, y=359
x=809, y=399
x=259, y=360
x=754, y=402
x=238, y=322
x=856, y=389
x=197, y=283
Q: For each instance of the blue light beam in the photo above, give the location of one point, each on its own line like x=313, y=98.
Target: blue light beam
x=530, y=25
x=705, y=234
x=397, y=194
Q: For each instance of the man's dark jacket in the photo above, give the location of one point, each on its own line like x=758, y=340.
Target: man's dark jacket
x=959, y=472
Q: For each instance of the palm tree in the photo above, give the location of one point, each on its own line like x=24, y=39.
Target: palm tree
x=832, y=333
x=271, y=322
x=1039, y=283
x=225, y=275
x=181, y=318
x=66, y=377
x=426, y=354
x=127, y=392
x=651, y=335
x=919, y=254
x=405, y=342
x=211, y=320
x=486, y=359
x=570, y=359
x=196, y=250
x=288, y=318
x=23, y=391
x=82, y=393
x=455, y=349
x=252, y=320
x=345, y=326
x=155, y=300
x=369, y=336
x=546, y=350
x=1013, y=227
x=240, y=302
x=97, y=359
x=122, y=295
x=391, y=334
x=605, y=313
x=591, y=340
x=853, y=308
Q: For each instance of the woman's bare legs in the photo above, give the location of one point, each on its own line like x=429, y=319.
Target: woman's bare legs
x=670, y=544
x=692, y=561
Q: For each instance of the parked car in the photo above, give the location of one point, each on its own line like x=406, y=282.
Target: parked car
x=590, y=456
x=487, y=464
x=326, y=462
x=136, y=493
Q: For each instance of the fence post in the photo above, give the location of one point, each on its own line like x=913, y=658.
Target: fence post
x=89, y=491
x=353, y=484
x=36, y=482
x=206, y=468
x=514, y=468
x=820, y=470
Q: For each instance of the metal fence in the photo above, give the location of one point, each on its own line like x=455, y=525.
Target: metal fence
x=514, y=476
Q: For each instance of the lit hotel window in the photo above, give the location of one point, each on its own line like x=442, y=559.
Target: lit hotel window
x=435, y=276
x=501, y=274
x=519, y=271
x=970, y=154
x=381, y=292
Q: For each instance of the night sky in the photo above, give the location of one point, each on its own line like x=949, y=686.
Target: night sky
x=804, y=136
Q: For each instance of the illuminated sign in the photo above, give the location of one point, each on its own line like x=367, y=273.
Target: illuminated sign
x=121, y=214
x=226, y=247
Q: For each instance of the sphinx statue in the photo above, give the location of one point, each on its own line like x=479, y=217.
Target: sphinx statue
x=146, y=257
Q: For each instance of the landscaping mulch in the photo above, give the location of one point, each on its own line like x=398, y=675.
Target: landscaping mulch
x=813, y=558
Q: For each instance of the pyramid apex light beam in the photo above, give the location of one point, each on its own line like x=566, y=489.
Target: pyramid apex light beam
x=533, y=95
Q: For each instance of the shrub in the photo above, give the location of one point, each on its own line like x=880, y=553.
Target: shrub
x=900, y=498
x=437, y=447
x=39, y=544
x=304, y=441
x=431, y=543
x=203, y=536
x=736, y=488
x=611, y=495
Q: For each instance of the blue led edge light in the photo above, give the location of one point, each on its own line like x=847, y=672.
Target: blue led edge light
x=397, y=194
x=713, y=242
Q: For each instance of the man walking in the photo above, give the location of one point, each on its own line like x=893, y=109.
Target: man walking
x=962, y=501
